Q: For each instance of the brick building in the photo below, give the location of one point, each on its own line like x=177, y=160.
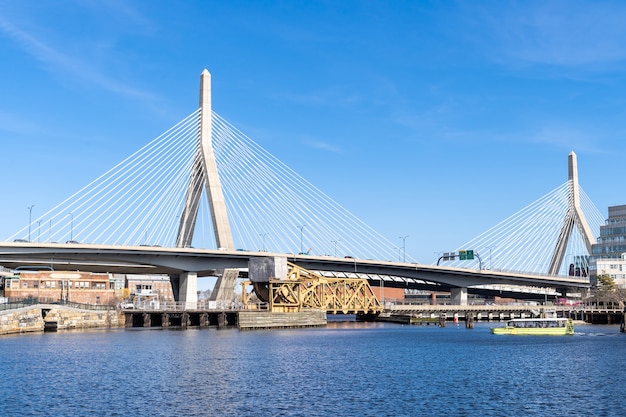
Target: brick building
x=72, y=286
x=83, y=287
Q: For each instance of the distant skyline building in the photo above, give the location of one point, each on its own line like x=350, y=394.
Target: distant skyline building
x=608, y=255
x=612, y=240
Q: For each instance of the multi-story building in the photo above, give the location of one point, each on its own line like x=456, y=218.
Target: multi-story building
x=82, y=287
x=615, y=268
x=608, y=255
x=71, y=286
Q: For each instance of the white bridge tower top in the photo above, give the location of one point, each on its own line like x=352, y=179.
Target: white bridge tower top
x=205, y=176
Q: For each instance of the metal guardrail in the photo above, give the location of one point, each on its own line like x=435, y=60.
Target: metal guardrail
x=203, y=305
x=14, y=303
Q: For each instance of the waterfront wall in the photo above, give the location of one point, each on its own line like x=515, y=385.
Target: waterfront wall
x=249, y=320
x=39, y=317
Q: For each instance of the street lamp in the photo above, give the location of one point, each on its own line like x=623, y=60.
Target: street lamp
x=263, y=236
x=71, y=225
x=301, y=247
x=403, y=247
x=335, y=242
x=30, y=216
x=490, y=264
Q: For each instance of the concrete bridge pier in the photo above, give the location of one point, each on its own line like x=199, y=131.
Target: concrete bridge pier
x=185, y=288
x=458, y=296
x=224, y=290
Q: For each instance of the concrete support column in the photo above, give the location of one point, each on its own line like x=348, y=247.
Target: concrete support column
x=188, y=289
x=458, y=296
x=224, y=291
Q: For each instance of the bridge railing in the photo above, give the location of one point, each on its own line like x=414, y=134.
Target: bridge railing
x=539, y=274
x=15, y=303
x=182, y=305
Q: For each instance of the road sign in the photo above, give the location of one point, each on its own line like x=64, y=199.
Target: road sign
x=449, y=256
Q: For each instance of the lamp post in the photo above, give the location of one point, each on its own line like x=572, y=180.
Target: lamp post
x=335, y=243
x=490, y=264
x=71, y=225
x=30, y=216
x=403, y=247
x=301, y=229
x=263, y=237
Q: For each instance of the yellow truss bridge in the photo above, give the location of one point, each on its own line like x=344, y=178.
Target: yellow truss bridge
x=303, y=290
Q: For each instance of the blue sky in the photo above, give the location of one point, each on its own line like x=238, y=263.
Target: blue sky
x=432, y=119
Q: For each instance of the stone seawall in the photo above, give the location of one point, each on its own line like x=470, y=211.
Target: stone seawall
x=36, y=318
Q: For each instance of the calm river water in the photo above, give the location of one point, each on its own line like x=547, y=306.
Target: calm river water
x=345, y=369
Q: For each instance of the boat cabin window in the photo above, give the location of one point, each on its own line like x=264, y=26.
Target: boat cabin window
x=537, y=323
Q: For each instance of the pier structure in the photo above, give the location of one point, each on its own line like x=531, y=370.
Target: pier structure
x=204, y=318
x=429, y=314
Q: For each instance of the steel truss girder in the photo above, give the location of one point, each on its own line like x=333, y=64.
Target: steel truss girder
x=304, y=289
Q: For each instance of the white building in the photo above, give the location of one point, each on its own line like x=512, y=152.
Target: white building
x=615, y=268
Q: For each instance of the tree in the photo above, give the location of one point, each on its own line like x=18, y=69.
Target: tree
x=607, y=290
x=606, y=283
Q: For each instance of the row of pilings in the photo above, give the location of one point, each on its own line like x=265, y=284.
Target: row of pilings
x=180, y=319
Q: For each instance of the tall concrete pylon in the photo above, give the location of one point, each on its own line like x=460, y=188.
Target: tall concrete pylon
x=574, y=216
x=204, y=175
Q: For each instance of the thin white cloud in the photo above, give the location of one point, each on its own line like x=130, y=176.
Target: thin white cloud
x=573, y=34
x=66, y=65
x=568, y=137
x=324, y=146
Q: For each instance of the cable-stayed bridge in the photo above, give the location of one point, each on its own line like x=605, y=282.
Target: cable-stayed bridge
x=270, y=207
x=548, y=236
x=205, y=184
